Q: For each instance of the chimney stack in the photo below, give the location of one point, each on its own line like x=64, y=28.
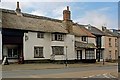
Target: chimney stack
x=18, y=10
x=66, y=14
x=67, y=22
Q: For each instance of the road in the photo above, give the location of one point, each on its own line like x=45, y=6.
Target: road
x=82, y=72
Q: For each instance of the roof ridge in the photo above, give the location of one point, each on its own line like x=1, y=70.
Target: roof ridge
x=30, y=15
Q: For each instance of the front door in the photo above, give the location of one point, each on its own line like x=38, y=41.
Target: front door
x=79, y=54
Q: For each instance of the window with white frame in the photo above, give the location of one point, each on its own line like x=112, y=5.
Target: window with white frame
x=40, y=35
x=57, y=37
x=89, y=54
x=58, y=50
x=38, y=52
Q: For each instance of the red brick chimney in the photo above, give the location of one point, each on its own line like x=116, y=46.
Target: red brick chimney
x=67, y=22
x=18, y=8
x=66, y=14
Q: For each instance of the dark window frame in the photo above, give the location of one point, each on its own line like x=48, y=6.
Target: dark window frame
x=12, y=53
x=89, y=54
x=116, y=44
x=110, y=39
x=58, y=50
x=84, y=38
x=40, y=34
x=38, y=52
x=57, y=37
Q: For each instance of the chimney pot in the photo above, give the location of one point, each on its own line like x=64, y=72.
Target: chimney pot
x=17, y=4
x=67, y=8
x=18, y=8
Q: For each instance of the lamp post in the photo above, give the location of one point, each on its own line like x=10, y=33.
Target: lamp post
x=66, y=58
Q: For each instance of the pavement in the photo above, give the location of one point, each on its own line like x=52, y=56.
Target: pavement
x=13, y=67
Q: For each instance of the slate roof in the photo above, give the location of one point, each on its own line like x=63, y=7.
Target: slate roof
x=96, y=31
x=84, y=45
x=110, y=33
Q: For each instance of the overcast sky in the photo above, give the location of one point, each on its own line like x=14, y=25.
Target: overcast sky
x=95, y=13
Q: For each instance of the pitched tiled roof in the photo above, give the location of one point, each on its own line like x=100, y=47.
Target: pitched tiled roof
x=80, y=30
x=30, y=22
x=109, y=33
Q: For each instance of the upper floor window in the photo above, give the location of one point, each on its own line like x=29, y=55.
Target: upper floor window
x=110, y=55
x=110, y=42
x=84, y=38
x=40, y=35
x=98, y=41
x=58, y=37
x=38, y=52
x=116, y=43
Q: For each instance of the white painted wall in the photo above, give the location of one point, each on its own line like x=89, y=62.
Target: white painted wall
x=0, y=45
x=92, y=40
x=103, y=42
x=47, y=43
x=70, y=41
x=34, y=41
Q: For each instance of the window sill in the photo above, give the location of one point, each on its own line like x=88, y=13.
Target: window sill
x=58, y=40
x=58, y=54
x=12, y=58
x=39, y=57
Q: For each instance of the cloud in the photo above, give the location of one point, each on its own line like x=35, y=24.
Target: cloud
x=94, y=18
x=38, y=12
x=58, y=12
x=104, y=9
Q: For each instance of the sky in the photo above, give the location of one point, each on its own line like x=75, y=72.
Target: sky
x=94, y=13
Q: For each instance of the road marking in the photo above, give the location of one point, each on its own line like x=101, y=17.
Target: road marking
x=84, y=77
x=91, y=76
x=98, y=75
x=105, y=75
x=111, y=76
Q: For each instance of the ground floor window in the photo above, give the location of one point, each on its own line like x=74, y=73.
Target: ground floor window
x=89, y=54
x=99, y=54
x=38, y=52
x=12, y=53
x=58, y=50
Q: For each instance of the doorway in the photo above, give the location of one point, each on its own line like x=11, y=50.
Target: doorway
x=79, y=54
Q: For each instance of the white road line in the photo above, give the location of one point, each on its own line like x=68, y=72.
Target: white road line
x=105, y=75
x=84, y=77
x=111, y=76
x=98, y=75
x=91, y=76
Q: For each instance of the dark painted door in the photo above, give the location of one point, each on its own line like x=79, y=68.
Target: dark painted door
x=79, y=54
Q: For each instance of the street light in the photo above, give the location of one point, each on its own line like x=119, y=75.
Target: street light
x=66, y=58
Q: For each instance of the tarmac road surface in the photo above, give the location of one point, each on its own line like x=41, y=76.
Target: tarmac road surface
x=82, y=72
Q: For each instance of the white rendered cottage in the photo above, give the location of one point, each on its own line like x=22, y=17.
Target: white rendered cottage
x=31, y=38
